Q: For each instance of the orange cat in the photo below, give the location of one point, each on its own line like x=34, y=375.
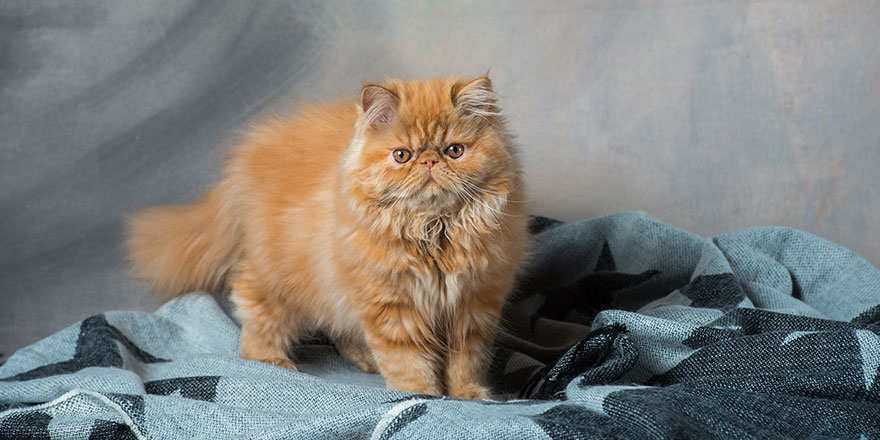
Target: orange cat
x=394, y=224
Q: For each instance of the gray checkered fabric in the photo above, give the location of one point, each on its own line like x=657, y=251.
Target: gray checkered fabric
x=621, y=327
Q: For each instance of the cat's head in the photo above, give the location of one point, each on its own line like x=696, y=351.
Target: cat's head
x=430, y=145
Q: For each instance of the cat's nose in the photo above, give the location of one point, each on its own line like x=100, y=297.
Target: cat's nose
x=429, y=163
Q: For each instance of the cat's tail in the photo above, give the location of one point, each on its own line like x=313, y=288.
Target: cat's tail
x=180, y=249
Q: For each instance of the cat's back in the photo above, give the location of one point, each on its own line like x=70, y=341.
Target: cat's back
x=291, y=157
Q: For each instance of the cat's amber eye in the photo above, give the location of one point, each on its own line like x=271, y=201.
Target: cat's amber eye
x=401, y=155
x=455, y=150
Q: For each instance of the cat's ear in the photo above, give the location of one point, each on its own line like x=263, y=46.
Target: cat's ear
x=476, y=98
x=379, y=105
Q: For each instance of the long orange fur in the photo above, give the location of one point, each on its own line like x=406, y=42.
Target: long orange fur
x=316, y=226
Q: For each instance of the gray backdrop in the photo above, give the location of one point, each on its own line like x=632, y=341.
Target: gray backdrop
x=710, y=115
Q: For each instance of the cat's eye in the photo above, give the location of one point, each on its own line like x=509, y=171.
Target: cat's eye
x=401, y=155
x=455, y=150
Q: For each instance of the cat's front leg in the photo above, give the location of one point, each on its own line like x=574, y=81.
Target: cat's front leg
x=469, y=341
x=406, y=352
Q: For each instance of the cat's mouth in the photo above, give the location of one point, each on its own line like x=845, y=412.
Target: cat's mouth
x=431, y=186
x=430, y=181
x=432, y=189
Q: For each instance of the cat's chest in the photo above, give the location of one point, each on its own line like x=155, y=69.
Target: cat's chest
x=438, y=246
x=441, y=277
x=434, y=264
x=433, y=291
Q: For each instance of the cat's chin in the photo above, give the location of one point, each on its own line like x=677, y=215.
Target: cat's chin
x=433, y=197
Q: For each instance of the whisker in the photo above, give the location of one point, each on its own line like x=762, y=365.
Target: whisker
x=476, y=199
x=472, y=185
x=483, y=182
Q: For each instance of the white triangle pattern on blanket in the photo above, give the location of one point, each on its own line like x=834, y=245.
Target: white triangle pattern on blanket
x=869, y=344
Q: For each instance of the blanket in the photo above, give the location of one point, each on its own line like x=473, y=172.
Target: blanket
x=620, y=327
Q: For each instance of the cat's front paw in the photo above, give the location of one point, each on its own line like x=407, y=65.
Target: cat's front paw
x=469, y=391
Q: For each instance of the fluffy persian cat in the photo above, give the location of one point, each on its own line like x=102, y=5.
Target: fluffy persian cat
x=393, y=223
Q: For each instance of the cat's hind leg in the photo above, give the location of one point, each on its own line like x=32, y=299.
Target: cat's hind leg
x=354, y=348
x=268, y=328
x=257, y=346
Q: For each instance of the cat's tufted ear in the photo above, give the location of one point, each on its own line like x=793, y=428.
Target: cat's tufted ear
x=379, y=105
x=476, y=98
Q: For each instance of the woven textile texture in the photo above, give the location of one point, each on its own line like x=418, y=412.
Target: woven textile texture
x=621, y=327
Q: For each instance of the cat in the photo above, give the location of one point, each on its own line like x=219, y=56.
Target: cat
x=393, y=223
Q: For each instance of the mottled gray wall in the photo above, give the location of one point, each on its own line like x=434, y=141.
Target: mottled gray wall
x=712, y=116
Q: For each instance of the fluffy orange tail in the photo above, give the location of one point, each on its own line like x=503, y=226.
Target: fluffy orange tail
x=180, y=249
